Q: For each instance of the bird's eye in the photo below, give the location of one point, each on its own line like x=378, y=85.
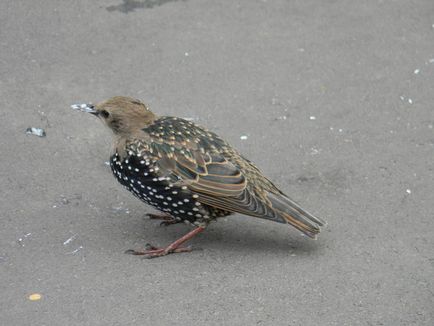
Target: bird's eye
x=104, y=114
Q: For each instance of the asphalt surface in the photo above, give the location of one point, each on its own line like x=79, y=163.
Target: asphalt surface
x=335, y=103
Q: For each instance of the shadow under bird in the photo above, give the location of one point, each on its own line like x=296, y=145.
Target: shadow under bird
x=189, y=173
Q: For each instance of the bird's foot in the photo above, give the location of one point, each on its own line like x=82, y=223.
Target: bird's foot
x=167, y=219
x=152, y=252
x=175, y=247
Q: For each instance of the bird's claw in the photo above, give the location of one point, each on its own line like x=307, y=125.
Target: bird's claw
x=171, y=222
x=167, y=219
x=154, y=252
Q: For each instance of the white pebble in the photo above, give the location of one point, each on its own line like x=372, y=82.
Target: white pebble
x=408, y=191
x=410, y=101
x=36, y=131
x=416, y=71
x=312, y=117
x=243, y=137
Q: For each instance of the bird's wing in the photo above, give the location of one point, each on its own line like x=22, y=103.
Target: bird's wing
x=217, y=181
x=223, y=179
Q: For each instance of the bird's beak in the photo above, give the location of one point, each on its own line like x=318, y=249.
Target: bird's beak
x=89, y=108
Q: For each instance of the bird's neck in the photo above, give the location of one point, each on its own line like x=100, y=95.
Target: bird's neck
x=122, y=141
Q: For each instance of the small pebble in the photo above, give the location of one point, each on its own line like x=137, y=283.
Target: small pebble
x=35, y=297
x=36, y=131
x=408, y=191
x=312, y=117
x=76, y=250
x=243, y=137
x=416, y=71
x=410, y=101
x=67, y=241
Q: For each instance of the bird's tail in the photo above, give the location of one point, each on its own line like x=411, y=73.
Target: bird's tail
x=290, y=212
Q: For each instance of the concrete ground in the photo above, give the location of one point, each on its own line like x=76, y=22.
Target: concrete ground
x=336, y=101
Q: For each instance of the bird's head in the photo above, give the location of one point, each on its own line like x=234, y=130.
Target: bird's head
x=123, y=115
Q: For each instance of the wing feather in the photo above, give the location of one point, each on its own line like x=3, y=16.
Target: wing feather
x=222, y=178
x=217, y=181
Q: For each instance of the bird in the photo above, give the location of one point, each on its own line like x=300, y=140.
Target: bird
x=189, y=173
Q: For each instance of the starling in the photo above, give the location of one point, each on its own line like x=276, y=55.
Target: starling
x=189, y=173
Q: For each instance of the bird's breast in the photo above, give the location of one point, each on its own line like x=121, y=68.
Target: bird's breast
x=142, y=176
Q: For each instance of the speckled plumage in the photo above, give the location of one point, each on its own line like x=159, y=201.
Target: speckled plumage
x=189, y=172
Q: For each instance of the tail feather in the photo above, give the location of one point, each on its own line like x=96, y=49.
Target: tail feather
x=292, y=213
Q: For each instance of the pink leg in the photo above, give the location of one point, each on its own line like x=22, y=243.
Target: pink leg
x=174, y=247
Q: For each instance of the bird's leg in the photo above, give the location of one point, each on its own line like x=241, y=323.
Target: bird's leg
x=164, y=217
x=167, y=219
x=174, y=247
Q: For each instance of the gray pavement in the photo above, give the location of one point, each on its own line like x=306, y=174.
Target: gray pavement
x=336, y=100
